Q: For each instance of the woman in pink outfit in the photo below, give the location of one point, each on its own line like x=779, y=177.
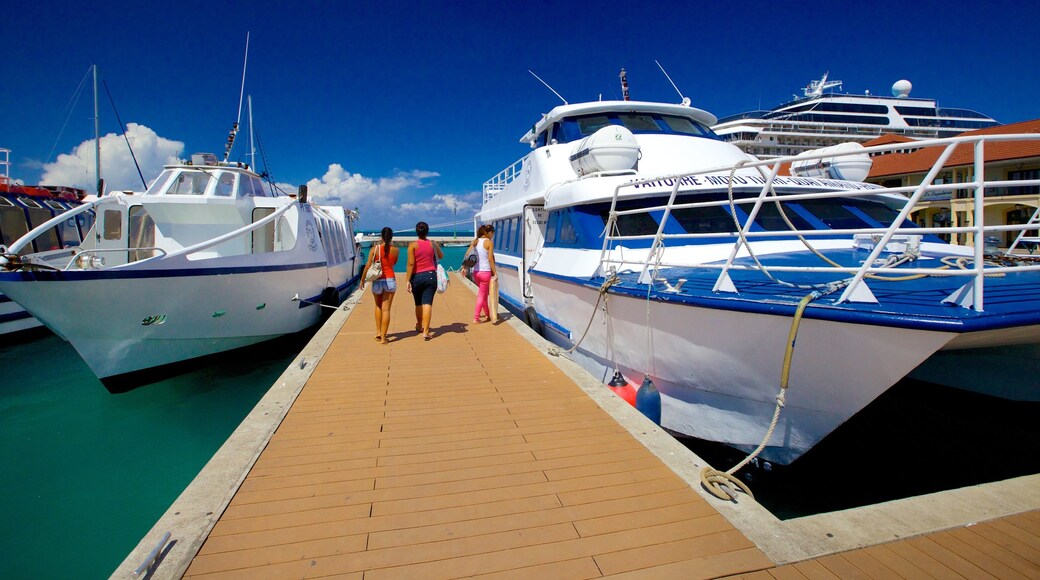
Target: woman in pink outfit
x=484, y=271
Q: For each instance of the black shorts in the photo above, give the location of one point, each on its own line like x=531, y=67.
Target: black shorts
x=424, y=286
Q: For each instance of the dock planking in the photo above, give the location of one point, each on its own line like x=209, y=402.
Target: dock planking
x=470, y=454
x=474, y=455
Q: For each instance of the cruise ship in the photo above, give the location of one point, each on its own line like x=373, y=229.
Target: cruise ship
x=822, y=118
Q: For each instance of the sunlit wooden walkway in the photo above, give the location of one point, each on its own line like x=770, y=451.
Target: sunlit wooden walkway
x=473, y=455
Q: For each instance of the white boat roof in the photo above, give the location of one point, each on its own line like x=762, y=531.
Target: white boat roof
x=578, y=109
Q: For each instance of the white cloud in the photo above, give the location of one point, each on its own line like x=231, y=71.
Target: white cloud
x=76, y=169
x=341, y=187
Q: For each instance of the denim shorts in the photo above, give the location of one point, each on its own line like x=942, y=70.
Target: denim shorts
x=424, y=286
x=384, y=285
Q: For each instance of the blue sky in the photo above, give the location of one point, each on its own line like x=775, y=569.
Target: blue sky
x=403, y=109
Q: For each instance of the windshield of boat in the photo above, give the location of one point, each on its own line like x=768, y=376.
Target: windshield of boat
x=573, y=128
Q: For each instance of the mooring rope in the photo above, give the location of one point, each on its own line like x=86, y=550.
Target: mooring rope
x=714, y=480
x=607, y=283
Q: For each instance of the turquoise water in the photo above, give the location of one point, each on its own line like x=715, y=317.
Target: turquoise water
x=452, y=256
x=85, y=473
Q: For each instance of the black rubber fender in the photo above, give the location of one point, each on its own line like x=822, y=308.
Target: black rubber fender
x=532, y=320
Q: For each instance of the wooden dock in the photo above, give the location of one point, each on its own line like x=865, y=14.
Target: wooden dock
x=475, y=454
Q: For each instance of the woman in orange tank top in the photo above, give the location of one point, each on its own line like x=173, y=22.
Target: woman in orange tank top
x=383, y=288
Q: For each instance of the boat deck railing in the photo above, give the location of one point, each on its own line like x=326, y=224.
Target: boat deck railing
x=900, y=239
x=500, y=181
x=86, y=258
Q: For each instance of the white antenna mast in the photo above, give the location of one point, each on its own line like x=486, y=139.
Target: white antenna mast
x=241, y=92
x=685, y=100
x=252, y=150
x=548, y=87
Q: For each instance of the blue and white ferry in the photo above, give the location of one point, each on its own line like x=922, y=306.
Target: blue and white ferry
x=763, y=306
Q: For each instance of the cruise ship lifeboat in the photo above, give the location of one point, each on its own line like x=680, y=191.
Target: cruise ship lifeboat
x=610, y=149
x=849, y=166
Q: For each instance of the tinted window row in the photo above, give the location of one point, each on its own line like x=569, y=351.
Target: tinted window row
x=583, y=226
x=507, y=236
x=575, y=128
x=18, y=216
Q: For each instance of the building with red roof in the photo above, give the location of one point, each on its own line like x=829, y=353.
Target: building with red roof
x=1003, y=160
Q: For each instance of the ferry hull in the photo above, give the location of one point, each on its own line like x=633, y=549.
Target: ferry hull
x=122, y=325
x=719, y=371
x=14, y=318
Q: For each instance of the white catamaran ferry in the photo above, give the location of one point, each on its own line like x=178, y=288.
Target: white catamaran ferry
x=763, y=306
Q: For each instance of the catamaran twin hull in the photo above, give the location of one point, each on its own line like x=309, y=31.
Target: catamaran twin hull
x=121, y=322
x=717, y=360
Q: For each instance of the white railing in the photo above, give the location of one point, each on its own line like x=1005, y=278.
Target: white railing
x=44, y=257
x=500, y=181
x=970, y=295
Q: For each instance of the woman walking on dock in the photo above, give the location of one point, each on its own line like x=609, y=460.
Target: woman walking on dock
x=484, y=271
x=422, y=277
x=384, y=255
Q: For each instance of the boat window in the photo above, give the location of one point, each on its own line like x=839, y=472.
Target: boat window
x=252, y=187
x=567, y=232
x=636, y=224
x=263, y=238
x=142, y=233
x=29, y=202
x=225, y=184
x=49, y=239
x=113, y=228
x=832, y=213
x=189, y=183
x=684, y=125
x=705, y=220
x=550, y=231
x=589, y=125
x=503, y=235
x=638, y=122
x=516, y=235
x=770, y=219
x=159, y=184
x=54, y=205
x=70, y=232
x=878, y=212
x=12, y=224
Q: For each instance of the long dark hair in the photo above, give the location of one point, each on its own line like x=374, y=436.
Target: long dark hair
x=422, y=229
x=481, y=231
x=386, y=234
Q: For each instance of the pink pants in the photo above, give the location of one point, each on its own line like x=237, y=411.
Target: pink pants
x=483, y=280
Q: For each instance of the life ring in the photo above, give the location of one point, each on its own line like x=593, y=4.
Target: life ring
x=532, y=320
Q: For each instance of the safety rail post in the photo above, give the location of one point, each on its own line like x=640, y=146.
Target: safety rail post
x=898, y=222
x=658, y=237
x=611, y=220
x=721, y=281
x=980, y=225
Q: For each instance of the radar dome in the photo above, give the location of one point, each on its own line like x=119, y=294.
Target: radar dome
x=901, y=89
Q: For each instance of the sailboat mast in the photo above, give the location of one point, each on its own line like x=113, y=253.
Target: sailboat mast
x=97, y=139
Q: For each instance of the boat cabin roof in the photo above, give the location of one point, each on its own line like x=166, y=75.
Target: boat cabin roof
x=564, y=112
x=221, y=180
